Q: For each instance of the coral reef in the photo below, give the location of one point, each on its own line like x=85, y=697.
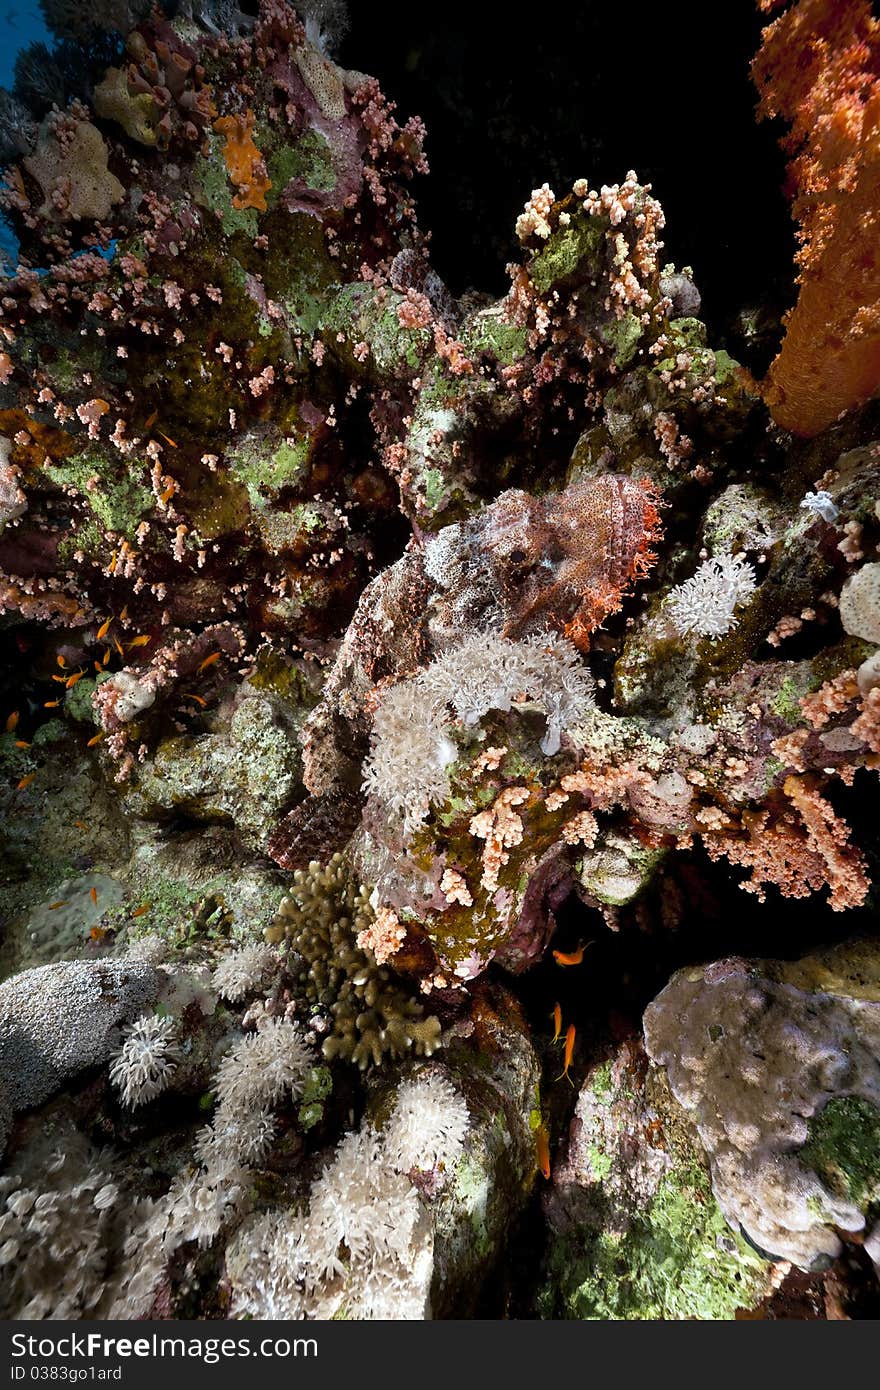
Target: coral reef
x=400, y=687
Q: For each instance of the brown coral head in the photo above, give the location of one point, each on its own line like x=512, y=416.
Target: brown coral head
x=568, y=559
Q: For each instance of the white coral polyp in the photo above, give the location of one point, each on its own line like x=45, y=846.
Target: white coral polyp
x=428, y=1125
x=262, y=1067
x=147, y=1060
x=244, y=972
x=411, y=749
x=703, y=606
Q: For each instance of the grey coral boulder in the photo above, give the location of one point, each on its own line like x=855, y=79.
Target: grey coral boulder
x=58, y=1020
x=778, y=1065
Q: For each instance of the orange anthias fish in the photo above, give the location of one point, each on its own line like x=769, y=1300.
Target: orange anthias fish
x=557, y=1022
x=12, y=721
x=569, y=957
x=140, y=641
x=542, y=1147
x=93, y=894
x=139, y=911
x=96, y=738
x=104, y=628
x=570, y=1035
x=208, y=661
x=25, y=782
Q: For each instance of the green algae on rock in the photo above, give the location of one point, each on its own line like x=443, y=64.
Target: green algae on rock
x=635, y=1232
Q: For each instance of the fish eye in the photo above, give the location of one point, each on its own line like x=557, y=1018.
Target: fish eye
x=517, y=556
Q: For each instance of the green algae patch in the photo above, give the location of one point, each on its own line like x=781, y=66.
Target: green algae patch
x=362, y=316
x=116, y=498
x=265, y=468
x=310, y=160
x=492, y=334
x=622, y=337
x=78, y=701
x=566, y=248
x=843, y=1149
x=786, y=702
x=316, y=1088
x=678, y=1260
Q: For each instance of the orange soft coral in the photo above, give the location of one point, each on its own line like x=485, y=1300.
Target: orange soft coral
x=798, y=854
x=819, y=68
x=244, y=163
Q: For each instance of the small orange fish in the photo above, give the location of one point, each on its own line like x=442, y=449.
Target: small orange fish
x=167, y=495
x=61, y=662
x=93, y=894
x=12, y=721
x=123, y=617
x=168, y=441
x=80, y=825
x=140, y=641
x=51, y=704
x=112, y=565
x=20, y=743
x=208, y=661
x=542, y=1146
x=139, y=911
x=72, y=680
x=104, y=628
x=105, y=658
x=97, y=934
x=570, y=1035
x=569, y=957
x=62, y=680
x=151, y=419
x=199, y=701
x=557, y=1022
x=118, y=645
x=25, y=782
x=54, y=906
x=96, y=738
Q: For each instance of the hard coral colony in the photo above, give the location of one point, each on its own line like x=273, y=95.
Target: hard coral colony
x=390, y=673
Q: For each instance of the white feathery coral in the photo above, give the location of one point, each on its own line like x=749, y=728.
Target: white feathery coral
x=147, y=1059
x=366, y=1243
x=411, y=748
x=245, y=1137
x=703, y=606
x=244, y=972
x=200, y=1202
x=428, y=1125
x=262, y=1067
x=411, y=752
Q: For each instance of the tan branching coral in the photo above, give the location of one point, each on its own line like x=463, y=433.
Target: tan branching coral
x=368, y=1010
